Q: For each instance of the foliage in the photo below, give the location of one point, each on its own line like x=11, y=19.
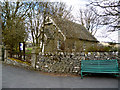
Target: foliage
x=28, y=51
x=13, y=24
x=101, y=49
x=14, y=34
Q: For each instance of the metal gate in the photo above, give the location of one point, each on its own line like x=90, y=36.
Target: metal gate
x=3, y=53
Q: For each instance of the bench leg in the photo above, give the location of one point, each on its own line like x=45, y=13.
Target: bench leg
x=81, y=75
x=117, y=75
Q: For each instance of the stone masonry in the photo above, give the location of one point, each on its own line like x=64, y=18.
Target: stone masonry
x=69, y=62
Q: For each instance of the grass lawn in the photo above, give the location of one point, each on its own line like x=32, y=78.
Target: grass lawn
x=28, y=50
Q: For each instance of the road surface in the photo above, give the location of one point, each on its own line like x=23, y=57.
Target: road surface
x=16, y=77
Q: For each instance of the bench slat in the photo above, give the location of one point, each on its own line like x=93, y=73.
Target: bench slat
x=99, y=66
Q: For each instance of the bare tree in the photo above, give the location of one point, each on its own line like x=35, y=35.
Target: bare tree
x=37, y=18
x=34, y=21
x=89, y=19
x=61, y=10
x=109, y=13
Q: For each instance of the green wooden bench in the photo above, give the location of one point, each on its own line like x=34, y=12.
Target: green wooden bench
x=99, y=66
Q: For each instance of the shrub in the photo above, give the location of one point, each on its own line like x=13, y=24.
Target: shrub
x=101, y=49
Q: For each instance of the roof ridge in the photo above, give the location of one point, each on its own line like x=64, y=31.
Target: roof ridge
x=73, y=29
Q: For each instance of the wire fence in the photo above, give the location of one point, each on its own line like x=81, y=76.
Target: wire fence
x=20, y=56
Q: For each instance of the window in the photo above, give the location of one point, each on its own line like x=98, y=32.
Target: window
x=58, y=44
x=92, y=44
x=84, y=46
x=74, y=45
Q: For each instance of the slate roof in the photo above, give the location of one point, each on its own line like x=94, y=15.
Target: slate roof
x=74, y=30
x=70, y=29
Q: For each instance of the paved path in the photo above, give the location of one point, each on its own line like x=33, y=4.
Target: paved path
x=15, y=77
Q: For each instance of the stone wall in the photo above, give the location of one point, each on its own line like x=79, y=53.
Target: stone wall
x=18, y=63
x=69, y=62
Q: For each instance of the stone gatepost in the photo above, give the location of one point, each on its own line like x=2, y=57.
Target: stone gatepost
x=33, y=58
x=0, y=52
x=35, y=52
x=5, y=55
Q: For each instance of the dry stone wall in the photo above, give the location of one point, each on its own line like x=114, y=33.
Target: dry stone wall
x=16, y=63
x=64, y=62
x=69, y=62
